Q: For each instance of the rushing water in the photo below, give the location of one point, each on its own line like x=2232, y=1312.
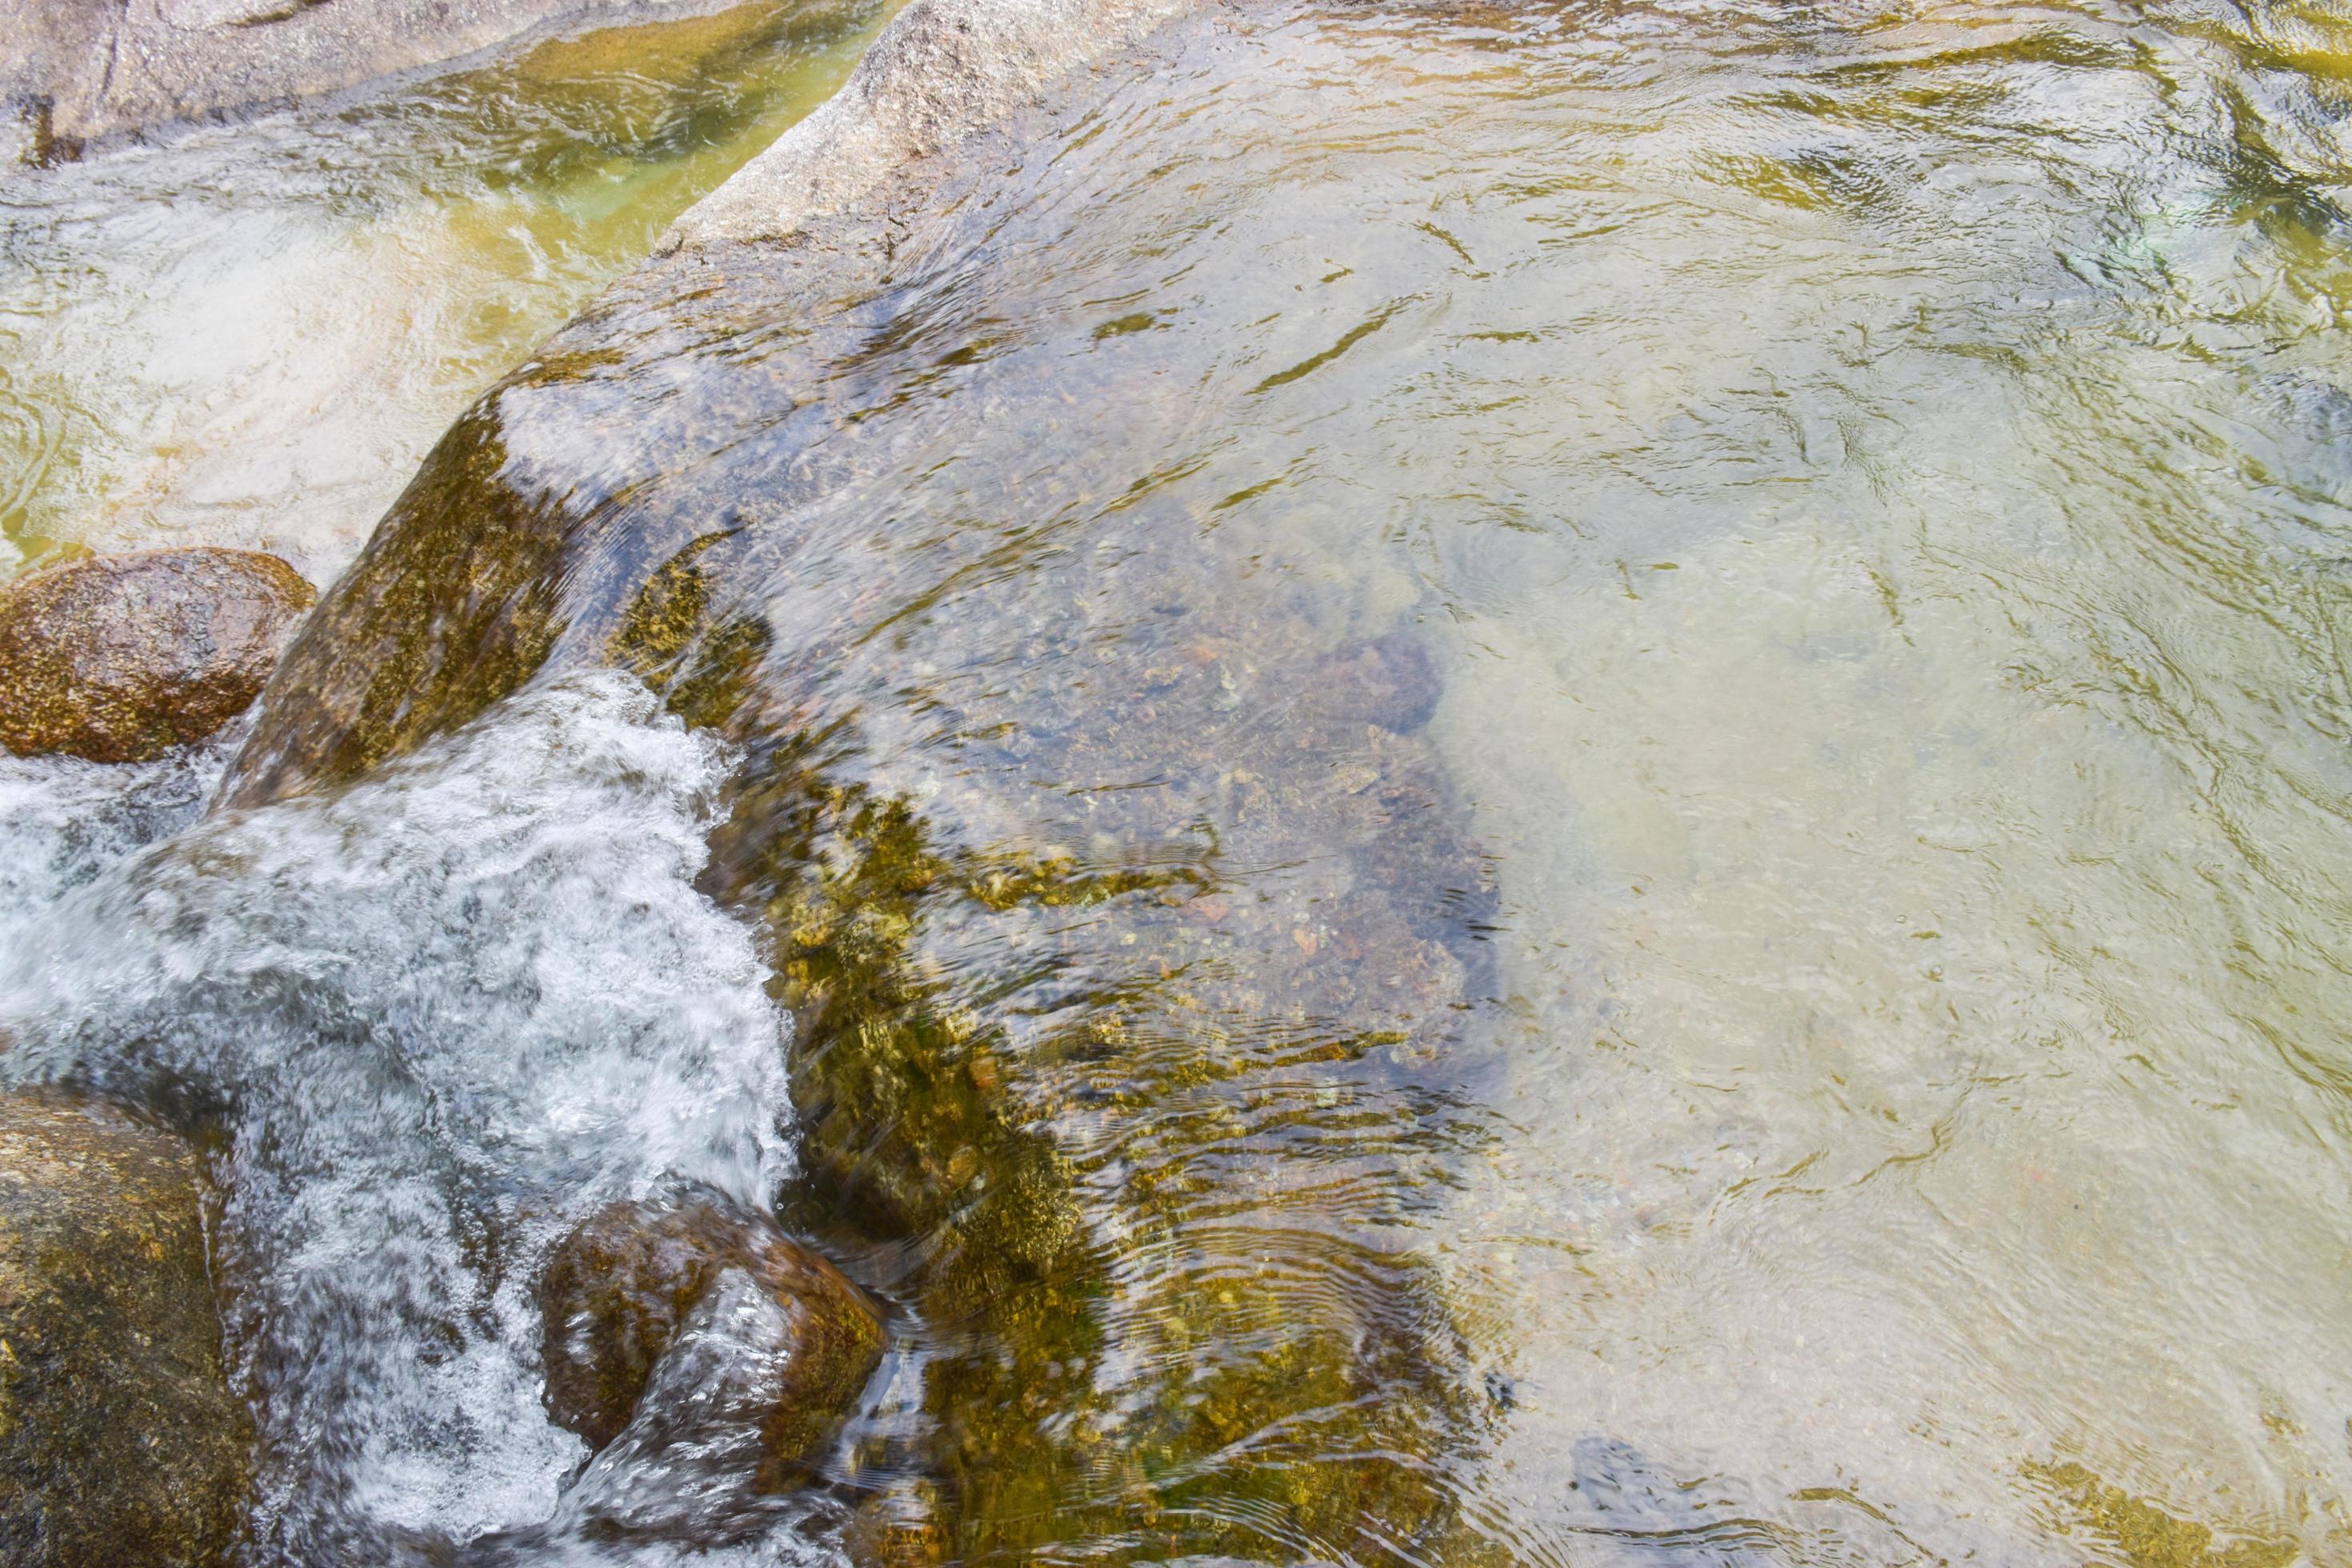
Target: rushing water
x=249, y=333
x=1559, y=783
x=440, y=1018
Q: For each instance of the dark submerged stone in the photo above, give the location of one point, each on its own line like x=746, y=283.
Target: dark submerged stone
x=120, y=1442
x=118, y=658
x=619, y=1291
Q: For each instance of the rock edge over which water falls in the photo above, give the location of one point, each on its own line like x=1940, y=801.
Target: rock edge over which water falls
x=1123, y=1091
x=119, y=658
x=119, y=1440
x=348, y=698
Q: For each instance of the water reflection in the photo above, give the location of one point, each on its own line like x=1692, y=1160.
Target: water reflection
x=1561, y=783
x=249, y=334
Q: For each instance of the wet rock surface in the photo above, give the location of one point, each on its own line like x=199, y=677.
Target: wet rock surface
x=625, y=1290
x=119, y=1440
x=119, y=658
x=78, y=70
x=945, y=70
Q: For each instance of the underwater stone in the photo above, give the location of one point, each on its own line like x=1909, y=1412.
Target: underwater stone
x=1388, y=681
x=119, y=1440
x=897, y=1528
x=119, y=658
x=620, y=1290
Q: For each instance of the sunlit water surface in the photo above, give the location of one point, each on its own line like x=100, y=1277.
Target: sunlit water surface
x=1871, y=484
x=247, y=334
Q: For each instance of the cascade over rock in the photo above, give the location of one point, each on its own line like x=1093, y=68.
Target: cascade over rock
x=1105, y=953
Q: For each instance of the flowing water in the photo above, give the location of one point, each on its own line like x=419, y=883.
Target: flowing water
x=249, y=333
x=1554, y=784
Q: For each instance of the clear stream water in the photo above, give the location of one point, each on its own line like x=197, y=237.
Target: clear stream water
x=1821, y=1042
x=247, y=334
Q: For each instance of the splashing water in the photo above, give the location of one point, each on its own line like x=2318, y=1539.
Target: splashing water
x=432, y=1023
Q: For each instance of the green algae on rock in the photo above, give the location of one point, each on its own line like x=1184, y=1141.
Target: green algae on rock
x=118, y=658
x=118, y=1439
x=617, y=1291
x=2147, y=1536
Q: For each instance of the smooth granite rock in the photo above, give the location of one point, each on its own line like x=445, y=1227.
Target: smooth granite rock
x=78, y=70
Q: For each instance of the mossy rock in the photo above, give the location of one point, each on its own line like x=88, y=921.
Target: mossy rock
x=1130, y=920
x=618, y=1291
x=119, y=658
x=120, y=1442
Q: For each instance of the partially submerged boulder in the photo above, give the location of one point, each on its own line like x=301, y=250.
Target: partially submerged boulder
x=945, y=70
x=85, y=69
x=119, y=658
x=119, y=1440
x=623, y=1291
x=1128, y=918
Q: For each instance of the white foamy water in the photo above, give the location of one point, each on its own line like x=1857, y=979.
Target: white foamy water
x=434, y=1021
x=63, y=821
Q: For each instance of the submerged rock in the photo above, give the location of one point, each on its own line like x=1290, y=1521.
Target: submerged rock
x=119, y=658
x=897, y=1528
x=78, y=69
x=119, y=1440
x=622, y=1291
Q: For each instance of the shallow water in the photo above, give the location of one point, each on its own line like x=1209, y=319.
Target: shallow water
x=1555, y=784
x=249, y=333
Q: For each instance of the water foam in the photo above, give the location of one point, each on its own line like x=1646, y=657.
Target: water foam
x=431, y=1023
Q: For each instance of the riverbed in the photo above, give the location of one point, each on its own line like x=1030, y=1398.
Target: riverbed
x=1606, y=743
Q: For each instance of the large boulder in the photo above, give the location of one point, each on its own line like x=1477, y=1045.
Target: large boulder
x=1126, y=907
x=119, y=658
x=119, y=1440
x=620, y=1292
x=78, y=70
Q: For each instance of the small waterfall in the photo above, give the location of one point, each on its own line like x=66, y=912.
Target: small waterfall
x=424, y=1026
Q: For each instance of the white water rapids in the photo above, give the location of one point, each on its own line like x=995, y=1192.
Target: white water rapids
x=436, y=1020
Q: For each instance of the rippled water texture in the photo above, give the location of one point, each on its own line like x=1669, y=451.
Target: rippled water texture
x=247, y=334
x=1545, y=783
